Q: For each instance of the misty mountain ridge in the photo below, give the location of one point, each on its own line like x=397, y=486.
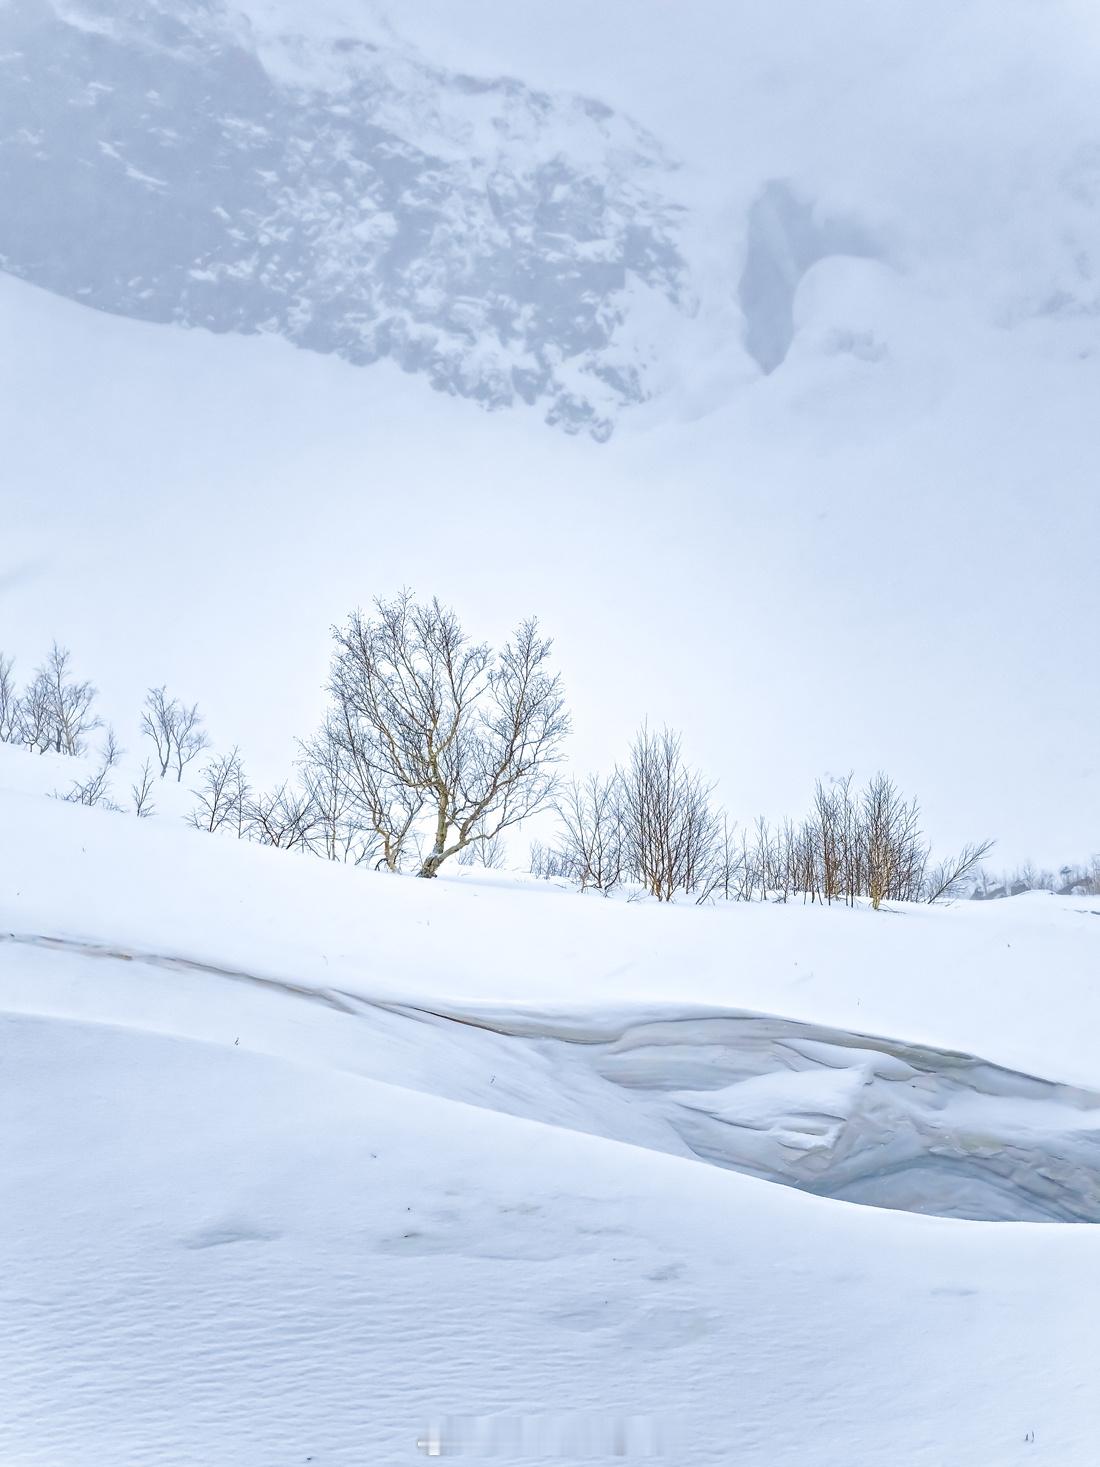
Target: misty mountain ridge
x=260, y=166
x=345, y=194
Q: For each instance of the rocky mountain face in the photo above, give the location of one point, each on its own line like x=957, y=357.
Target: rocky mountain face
x=166, y=162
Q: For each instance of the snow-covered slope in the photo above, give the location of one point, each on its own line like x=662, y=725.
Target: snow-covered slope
x=306, y=1164
x=237, y=1259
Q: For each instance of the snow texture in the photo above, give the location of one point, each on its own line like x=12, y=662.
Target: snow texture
x=308, y=1165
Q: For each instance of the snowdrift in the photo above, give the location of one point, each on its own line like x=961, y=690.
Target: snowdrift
x=936, y=1060
x=308, y=1164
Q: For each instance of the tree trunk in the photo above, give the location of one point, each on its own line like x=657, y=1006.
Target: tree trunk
x=435, y=859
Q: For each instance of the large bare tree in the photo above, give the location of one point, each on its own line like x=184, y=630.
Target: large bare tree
x=470, y=737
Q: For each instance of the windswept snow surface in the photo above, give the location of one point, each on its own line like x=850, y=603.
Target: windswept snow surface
x=305, y=1164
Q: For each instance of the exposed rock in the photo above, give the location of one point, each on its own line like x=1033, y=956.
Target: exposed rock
x=168, y=164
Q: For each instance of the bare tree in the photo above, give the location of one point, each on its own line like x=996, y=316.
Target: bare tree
x=157, y=723
x=56, y=709
x=896, y=853
x=730, y=870
x=950, y=877
x=284, y=818
x=853, y=844
x=471, y=737
x=189, y=740
x=35, y=728
x=346, y=759
x=141, y=792
x=96, y=789
x=671, y=831
x=10, y=715
x=222, y=796
x=546, y=863
x=71, y=704
x=175, y=729
x=341, y=833
x=590, y=846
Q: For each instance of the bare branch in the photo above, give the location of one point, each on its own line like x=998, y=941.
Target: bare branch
x=96, y=790
x=141, y=792
x=222, y=796
x=429, y=720
x=176, y=731
x=950, y=877
x=10, y=711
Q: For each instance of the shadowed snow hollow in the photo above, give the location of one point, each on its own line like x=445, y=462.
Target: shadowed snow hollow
x=842, y=1115
x=651, y=1026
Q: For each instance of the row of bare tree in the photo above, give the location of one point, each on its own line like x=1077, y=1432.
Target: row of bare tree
x=854, y=844
x=652, y=823
x=1079, y=878
x=53, y=713
x=435, y=746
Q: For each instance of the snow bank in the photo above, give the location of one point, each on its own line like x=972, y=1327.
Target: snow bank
x=1015, y=982
x=305, y=1164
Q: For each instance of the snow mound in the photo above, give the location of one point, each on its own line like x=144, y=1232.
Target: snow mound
x=769, y=1060
x=303, y=1164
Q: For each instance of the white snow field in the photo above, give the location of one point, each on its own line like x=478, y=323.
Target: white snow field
x=307, y=1165
x=753, y=347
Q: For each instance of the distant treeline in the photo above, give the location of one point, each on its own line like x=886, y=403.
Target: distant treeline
x=435, y=747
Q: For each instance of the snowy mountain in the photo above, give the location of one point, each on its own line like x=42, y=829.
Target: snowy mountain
x=171, y=163
x=822, y=281
x=262, y=166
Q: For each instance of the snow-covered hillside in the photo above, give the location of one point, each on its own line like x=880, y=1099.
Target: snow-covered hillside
x=304, y=1164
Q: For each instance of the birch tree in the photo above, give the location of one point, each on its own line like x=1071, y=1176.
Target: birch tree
x=469, y=736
